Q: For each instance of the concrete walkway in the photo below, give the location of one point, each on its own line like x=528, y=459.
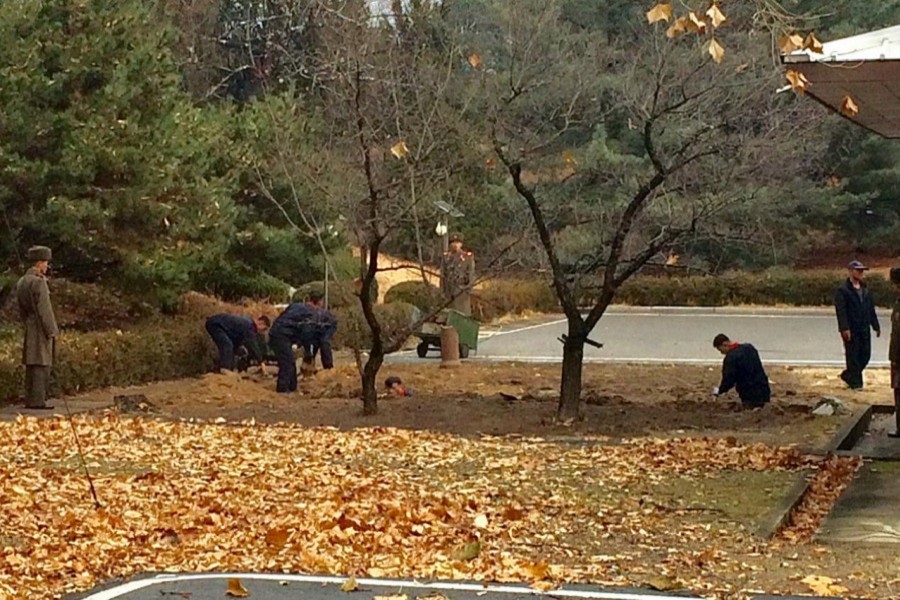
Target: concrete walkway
x=869, y=509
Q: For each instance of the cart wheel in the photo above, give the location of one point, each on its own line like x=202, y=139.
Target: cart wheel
x=463, y=351
x=422, y=349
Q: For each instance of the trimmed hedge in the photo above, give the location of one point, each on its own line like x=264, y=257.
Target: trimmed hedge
x=500, y=297
x=166, y=349
x=341, y=294
x=423, y=295
x=354, y=332
x=774, y=287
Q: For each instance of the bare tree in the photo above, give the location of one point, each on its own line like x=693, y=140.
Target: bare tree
x=699, y=138
x=392, y=137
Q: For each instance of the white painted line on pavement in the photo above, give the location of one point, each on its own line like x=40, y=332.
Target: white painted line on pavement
x=133, y=586
x=688, y=361
x=719, y=316
x=528, y=328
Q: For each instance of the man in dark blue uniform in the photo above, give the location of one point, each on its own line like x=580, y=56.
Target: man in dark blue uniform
x=742, y=369
x=231, y=332
x=308, y=325
x=856, y=318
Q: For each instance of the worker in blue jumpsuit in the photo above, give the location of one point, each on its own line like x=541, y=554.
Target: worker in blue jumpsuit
x=743, y=370
x=308, y=325
x=230, y=332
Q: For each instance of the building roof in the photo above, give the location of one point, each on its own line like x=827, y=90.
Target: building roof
x=865, y=67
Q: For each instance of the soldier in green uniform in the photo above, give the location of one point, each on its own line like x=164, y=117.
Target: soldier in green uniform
x=894, y=351
x=458, y=275
x=33, y=297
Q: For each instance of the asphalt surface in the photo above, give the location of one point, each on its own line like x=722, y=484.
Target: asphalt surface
x=308, y=587
x=680, y=335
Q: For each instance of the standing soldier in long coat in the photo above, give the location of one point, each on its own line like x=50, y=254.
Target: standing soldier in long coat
x=458, y=275
x=33, y=297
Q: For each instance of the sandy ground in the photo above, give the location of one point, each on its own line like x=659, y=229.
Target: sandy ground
x=620, y=401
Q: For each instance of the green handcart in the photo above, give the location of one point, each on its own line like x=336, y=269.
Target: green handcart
x=430, y=334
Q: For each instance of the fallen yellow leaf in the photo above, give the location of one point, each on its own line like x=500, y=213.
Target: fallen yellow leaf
x=849, y=107
x=696, y=23
x=716, y=51
x=716, y=16
x=789, y=43
x=798, y=80
x=679, y=27
x=474, y=60
x=824, y=586
x=481, y=521
x=399, y=150
x=236, y=589
x=660, y=12
x=812, y=44
x=277, y=537
x=350, y=585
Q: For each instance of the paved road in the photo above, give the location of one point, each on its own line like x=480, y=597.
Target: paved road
x=310, y=587
x=666, y=335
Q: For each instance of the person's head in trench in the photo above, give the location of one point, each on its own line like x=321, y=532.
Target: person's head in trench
x=723, y=344
x=395, y=387
x=315, y=299
x=262, y=323
x=856, y=270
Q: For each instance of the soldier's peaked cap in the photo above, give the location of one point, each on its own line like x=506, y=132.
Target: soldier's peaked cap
x=38, y=253
x=456, y=237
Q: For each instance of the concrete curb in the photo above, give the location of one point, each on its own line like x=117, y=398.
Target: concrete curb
x=817, y=311
x=775, y=519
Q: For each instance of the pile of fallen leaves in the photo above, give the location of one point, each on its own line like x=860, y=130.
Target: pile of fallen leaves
x=179, y=496
x=825, y=486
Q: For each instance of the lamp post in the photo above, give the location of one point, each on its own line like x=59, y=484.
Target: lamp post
x=442, y=229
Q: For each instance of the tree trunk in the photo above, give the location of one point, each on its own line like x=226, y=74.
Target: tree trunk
x=369, y=381
x=572, y=367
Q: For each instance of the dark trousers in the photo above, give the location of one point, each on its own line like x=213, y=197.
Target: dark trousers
x=37, y=385
x=281, y=344
x=224, y=343
x=755, y=397
x=857, y=353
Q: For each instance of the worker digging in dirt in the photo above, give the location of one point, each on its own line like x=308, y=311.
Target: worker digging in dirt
x=742, y=369
x=230, y=332
x=395, y=387
x=310, y=326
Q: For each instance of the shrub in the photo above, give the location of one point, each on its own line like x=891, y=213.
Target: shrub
x=236, y=281
x=773, y=287
x=354, y=332
x=500, y=297
x=166, y=349
x=423, y=295
x=341, y=294
x=83, y=307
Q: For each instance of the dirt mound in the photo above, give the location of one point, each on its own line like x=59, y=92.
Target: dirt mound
x=225, y=391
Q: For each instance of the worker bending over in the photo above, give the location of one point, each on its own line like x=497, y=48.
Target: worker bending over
x=308, y=325
x=742, y=369
x=230, y=332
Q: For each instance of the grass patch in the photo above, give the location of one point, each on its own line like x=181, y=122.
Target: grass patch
x=740, y=496
x=99, y=466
